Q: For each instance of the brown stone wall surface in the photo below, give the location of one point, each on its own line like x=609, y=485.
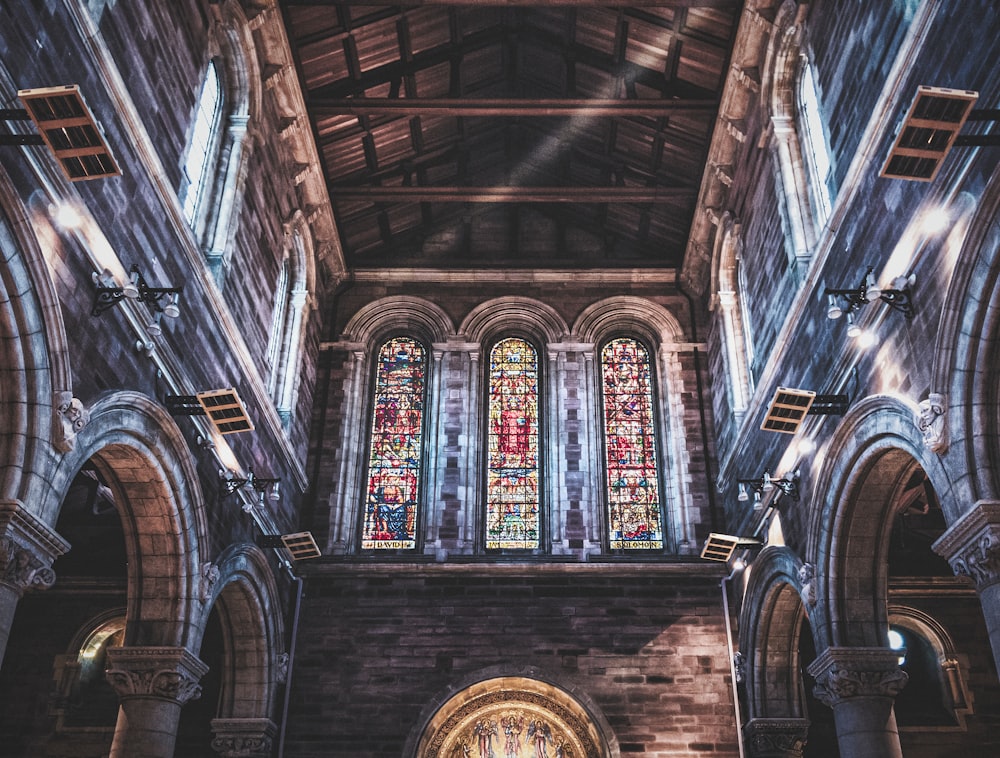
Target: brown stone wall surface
x=380, y=646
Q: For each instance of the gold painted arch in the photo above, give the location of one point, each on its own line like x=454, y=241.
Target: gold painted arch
x=512, y=717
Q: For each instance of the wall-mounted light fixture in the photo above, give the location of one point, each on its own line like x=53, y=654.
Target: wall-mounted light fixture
x=162, y=300
x=847, y=301
x=261, y=485
x=766, y=483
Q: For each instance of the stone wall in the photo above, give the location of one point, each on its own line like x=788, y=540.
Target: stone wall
x=382, y=645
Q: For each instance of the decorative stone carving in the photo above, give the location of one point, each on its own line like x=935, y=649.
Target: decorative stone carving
x=740, y=667
x=845, y=673
x=70, y=417
x=281, y=668
x=209, y=578
x=22, y=570
x=807, y=579
x=775, y=738
x=931, y=417
x=161, y=672
x=972, y=544
x=242, y=738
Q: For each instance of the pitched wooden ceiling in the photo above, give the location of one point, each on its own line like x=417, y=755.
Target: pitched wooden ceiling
x=472, y=134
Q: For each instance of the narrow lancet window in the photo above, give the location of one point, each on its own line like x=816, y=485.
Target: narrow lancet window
x=634, y=512
x=393, y=492
x=198, y=166
x=512, y=491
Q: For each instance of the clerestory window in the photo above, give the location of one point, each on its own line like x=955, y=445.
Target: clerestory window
x=635, y=518
x=513, y=505
x=202, y=146
x=391, y=512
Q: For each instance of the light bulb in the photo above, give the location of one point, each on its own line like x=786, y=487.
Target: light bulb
x=853, y=330
x=743, y=496
x=131, y=288
x=833, y=309
x=768, y=484
x=171, y=309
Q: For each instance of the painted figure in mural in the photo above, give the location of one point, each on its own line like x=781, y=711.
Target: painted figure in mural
x=513, y=726
x=540, y=734
x=486, y=730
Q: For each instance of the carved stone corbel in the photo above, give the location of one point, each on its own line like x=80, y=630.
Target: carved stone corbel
x=69, y=417
x=932, y=414
x=27, y=549
x=807, y=578
x=210, y=575
x=775, y=738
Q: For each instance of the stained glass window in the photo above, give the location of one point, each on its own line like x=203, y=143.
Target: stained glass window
x=634, y=517
x=512, y=505
x=394, y=455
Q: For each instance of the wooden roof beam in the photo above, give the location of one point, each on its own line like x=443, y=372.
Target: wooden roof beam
x=508, y=107
x=458, y=194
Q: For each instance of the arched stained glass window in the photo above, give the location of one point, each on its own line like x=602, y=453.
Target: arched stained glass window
x=512, y=491
x=634, y=512
x=395, y=451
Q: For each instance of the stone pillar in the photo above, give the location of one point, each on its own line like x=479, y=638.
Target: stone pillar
x=152, y=683
x=775, y=738
x=243, y=738
x=860, y=685
x=27, y=549
x=972, y=547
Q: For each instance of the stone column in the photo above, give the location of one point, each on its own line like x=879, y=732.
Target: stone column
x=775, y=738
x=152, y=683
x=860, y=685
x=27, y=549
x=972, y=547
x=243, y=738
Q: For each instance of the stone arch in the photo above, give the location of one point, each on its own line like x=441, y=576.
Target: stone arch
x=645, y=318
x=141, y=454
x=878, y=445
x=963, y=351
x=506, y=314
x=247, y=600
x=35, y=377
x=774, y=604
x=402, y=313
x=506, y=689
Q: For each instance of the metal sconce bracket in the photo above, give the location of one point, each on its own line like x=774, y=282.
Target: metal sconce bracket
x=160, y=299
x=789, y=486
x=898, y=298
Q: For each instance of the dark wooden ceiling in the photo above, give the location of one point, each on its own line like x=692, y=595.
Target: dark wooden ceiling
x=509, y=134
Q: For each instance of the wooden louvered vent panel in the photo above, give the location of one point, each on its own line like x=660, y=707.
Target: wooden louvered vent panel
x=787, y=410
x=928, y=133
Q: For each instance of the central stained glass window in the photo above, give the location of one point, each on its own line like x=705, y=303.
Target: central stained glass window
x=634, y=517
x=512, y=505
x=394, y=455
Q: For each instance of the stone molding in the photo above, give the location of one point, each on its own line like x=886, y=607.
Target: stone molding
x=775, y=738
x=165, y=673
x=243, y=738
x=843, y=673
x=972, y=544
x=28, y=546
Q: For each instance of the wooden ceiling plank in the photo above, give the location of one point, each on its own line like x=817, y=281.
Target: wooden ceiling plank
x=460, y=194
x=508, y=107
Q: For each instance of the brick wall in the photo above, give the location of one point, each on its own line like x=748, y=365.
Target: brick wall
x=379, y=644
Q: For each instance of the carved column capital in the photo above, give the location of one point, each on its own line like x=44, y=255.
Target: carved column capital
x=775, y=738
x=844, y=673
x=972, y=544
x=27, y=549
x=243, y=738
x=165, y=673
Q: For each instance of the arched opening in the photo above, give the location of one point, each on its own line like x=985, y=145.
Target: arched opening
x=514, y=717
